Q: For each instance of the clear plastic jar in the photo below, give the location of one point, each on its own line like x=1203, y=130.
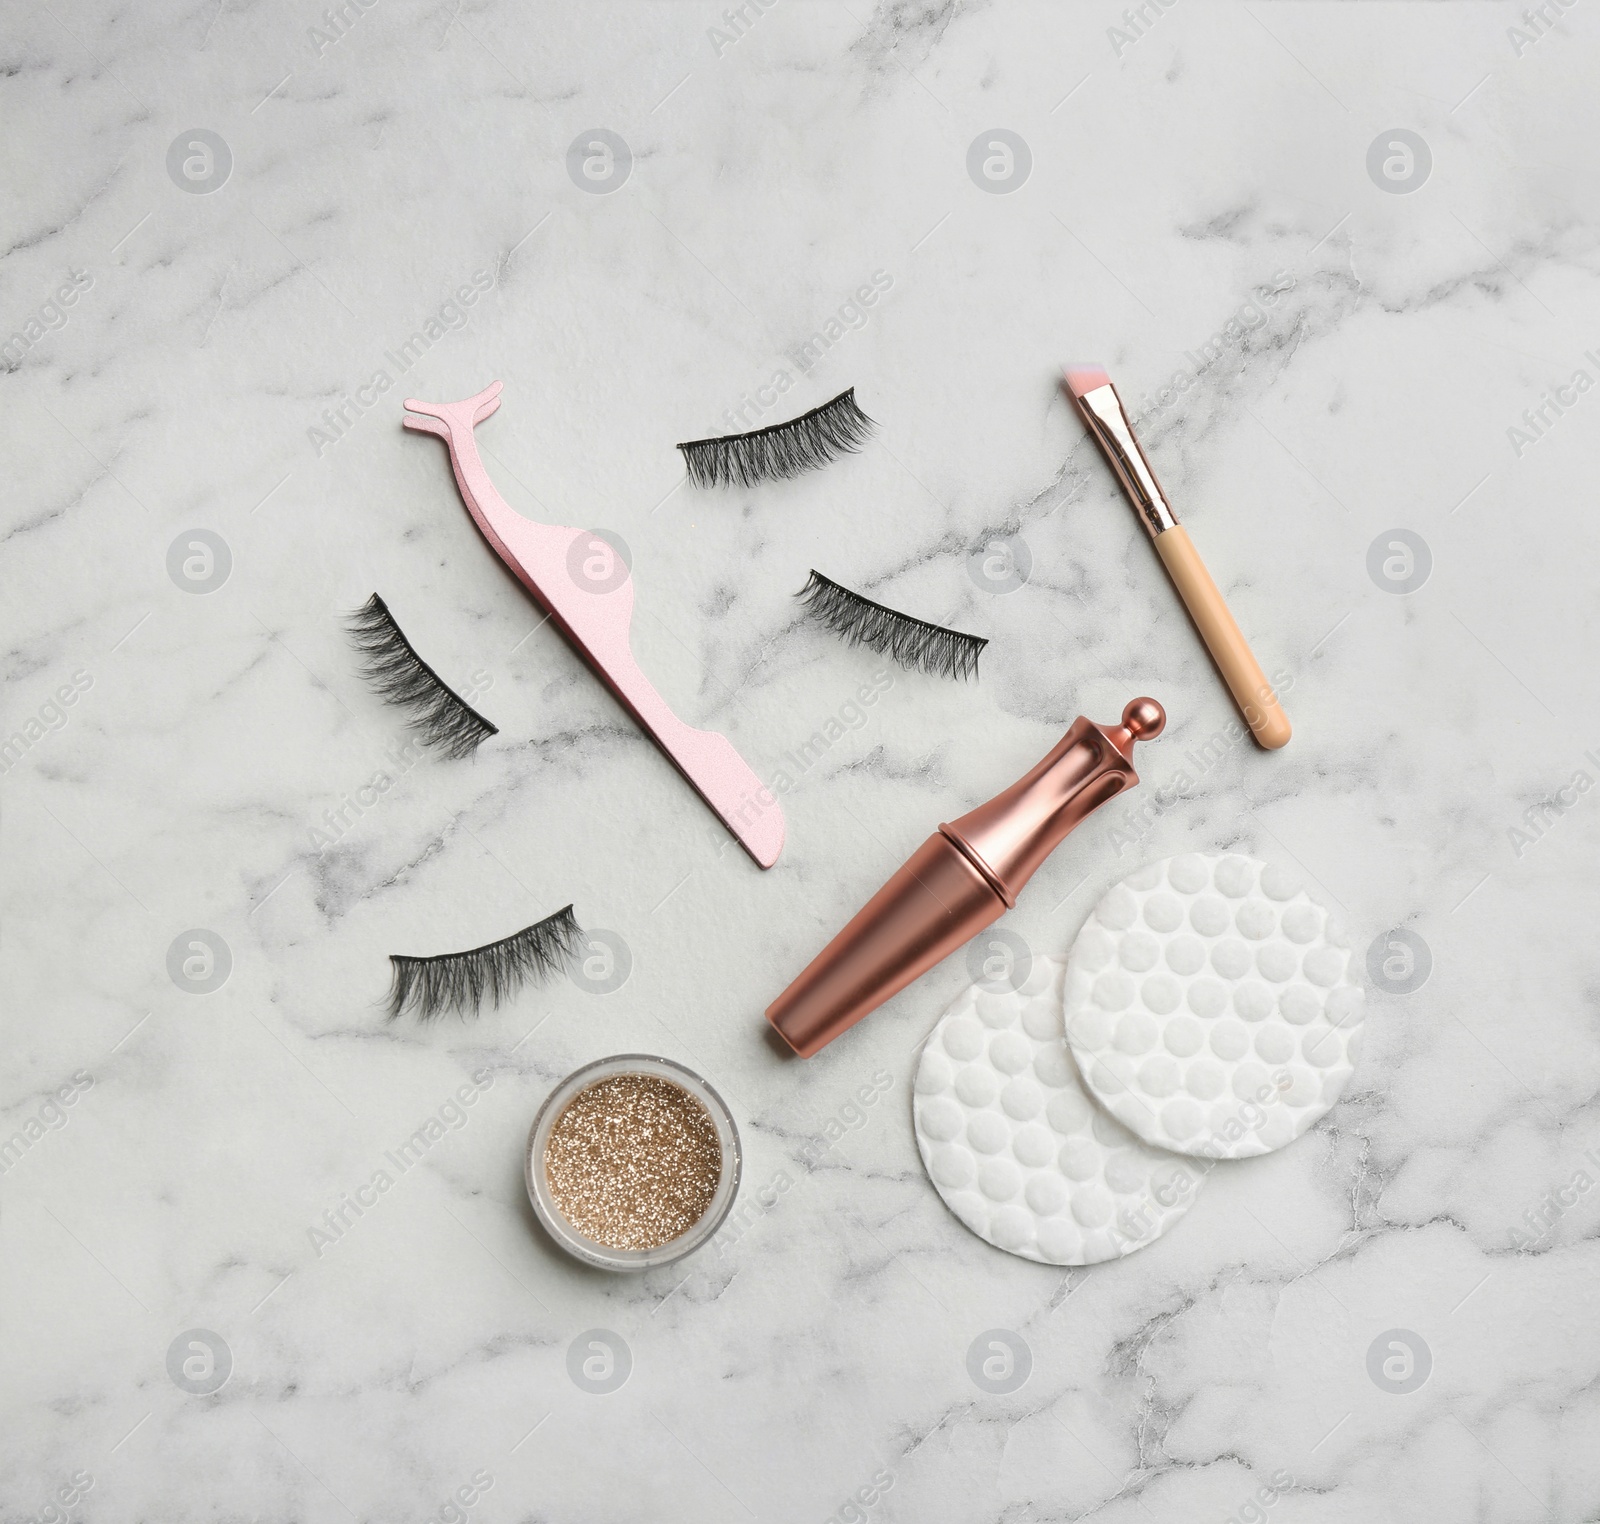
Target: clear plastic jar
x=602, y=1256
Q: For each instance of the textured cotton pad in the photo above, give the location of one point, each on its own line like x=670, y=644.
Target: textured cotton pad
x=1212, y=1007
x=1016, y=1148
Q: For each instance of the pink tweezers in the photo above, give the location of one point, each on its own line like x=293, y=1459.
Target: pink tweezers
x=597, y=624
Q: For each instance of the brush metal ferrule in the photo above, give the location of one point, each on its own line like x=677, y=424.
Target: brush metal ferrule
x=1103, y=412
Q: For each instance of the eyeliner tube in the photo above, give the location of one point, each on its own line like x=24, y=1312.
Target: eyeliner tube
x=961, y=879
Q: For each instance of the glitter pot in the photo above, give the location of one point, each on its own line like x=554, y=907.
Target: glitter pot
x=633, y=1162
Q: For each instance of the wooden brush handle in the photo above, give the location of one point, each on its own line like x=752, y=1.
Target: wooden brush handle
x=1235, y=661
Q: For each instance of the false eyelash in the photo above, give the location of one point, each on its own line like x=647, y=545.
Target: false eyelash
x=781, y=449
x=442, y=717
x=912, y=642
x=458, y=981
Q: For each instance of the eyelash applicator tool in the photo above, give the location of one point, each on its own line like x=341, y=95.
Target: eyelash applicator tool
x=596, y=615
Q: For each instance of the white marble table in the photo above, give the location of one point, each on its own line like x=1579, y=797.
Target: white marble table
x=777, y=161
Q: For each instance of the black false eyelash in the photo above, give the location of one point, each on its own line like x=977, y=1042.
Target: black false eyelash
x=439, y=715
x=459, y=981
x=912, y=642
x=780, y=450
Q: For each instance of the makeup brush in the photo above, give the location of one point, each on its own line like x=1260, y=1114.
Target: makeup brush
x=1102, y=411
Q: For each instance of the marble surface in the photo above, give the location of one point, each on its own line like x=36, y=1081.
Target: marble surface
x=1355, y=351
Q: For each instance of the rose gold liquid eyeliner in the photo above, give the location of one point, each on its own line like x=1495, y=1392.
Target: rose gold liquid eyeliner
x=965, y=876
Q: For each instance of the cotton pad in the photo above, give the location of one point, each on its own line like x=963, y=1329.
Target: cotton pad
x=1212, y=1006
x=1016, y=1148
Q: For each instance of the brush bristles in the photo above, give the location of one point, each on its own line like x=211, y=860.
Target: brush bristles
x=781, y=450
x=400, y=677
x=1085, y=378
x=459, y=981
x=914, y=643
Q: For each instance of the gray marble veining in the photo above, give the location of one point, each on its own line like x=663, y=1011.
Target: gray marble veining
x=1342, y=260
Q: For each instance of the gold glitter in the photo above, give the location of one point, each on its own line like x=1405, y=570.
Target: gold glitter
x=633, y=1161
